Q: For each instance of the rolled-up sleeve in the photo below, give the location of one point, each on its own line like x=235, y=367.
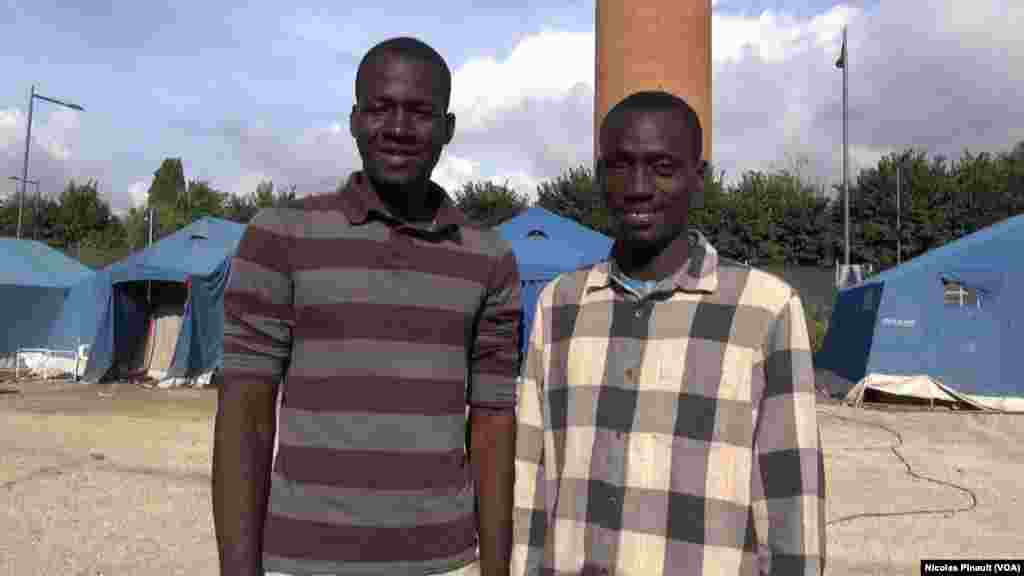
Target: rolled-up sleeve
x=789, y=491
x=258, y=317
x=494, y=363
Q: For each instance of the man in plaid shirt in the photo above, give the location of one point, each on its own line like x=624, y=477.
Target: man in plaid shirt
x=666, y=418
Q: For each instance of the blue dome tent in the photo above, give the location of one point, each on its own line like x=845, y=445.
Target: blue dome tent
x=545, y=246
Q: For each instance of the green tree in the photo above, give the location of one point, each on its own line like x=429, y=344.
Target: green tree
x=81, y=213
x=239, y=208
x=489, y=204
x=242, y=208
x=136, y=229
x=575, y=195
x=9, y=215
x=264, y=195
x=168, y=184
x=201, y=199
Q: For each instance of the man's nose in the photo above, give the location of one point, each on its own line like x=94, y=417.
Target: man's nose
x=399, y=122
x=641, y=182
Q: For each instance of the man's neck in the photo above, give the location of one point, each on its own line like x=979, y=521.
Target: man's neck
x=414, y=202
x=652, y=262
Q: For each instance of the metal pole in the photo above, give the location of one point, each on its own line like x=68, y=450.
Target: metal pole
x=899, y=229
x=149, y=284
x=24, y=167
x=846, y=184
x=35, y=214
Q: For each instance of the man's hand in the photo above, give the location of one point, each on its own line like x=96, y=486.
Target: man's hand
x=242, y=456
x=492, y=457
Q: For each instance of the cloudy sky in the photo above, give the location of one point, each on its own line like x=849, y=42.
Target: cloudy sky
x=248, y=90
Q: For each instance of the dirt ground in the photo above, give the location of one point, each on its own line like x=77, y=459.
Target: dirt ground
x=115, y=480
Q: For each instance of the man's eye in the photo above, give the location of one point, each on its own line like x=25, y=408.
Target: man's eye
x=664, y=168
x=376, y=109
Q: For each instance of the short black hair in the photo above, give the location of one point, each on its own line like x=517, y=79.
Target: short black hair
x=406, y=47
x=660, y=101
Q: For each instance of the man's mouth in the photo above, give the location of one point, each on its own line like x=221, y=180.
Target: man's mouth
x=639, y=217
x=394, y=156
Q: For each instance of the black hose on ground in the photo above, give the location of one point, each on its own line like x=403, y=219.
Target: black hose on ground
x=948, y=512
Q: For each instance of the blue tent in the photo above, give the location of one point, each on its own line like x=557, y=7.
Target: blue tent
x=34, y=282
x=545, y=246
x=952, y=314
x=193, y=265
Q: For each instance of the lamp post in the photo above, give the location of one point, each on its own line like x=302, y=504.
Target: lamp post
x=36, y=183
x=28, y=141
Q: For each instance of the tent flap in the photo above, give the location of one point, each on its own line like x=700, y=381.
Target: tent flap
x=201, y=344
x=926, y=388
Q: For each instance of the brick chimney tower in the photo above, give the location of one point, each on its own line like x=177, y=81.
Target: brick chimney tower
x=654, y=45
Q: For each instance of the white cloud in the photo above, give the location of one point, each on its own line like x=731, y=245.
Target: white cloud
x=59, y=134
x=10, y=122
x=452, y=172
x=314, y=161
x=138, y=193
x=544, y=66
x=52, y=159
x=775, y=36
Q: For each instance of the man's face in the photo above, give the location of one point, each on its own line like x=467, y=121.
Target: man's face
x=400, y=123
x=649, y=171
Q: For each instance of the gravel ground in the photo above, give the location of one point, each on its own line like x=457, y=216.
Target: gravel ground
x=115, y=480
x=101, y=480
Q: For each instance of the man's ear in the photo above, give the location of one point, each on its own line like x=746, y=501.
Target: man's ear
x=697, y=191
x=449, y=127
x=352, y=120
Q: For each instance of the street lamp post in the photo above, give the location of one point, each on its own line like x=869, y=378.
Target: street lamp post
x=28, y=141
x=36, y=183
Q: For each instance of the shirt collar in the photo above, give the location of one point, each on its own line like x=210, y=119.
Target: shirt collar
x=361, y=203
x=698, y=274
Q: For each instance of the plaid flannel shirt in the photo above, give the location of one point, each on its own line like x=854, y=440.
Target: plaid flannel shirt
x=669, y=433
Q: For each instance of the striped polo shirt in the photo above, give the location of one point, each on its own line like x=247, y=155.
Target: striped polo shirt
x=383, y=332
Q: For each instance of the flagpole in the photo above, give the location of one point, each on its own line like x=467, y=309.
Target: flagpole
x=899, y=227
x=846, y=184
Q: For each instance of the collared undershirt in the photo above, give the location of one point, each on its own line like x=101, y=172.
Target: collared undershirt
x=640, y=287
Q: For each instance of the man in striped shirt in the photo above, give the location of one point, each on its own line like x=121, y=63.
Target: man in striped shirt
x=381, y=314
x=666, y=421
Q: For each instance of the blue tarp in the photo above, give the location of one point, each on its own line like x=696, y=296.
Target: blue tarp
x=34, y=282
x=199, y=255
x=545, y=246
x=898, y=323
